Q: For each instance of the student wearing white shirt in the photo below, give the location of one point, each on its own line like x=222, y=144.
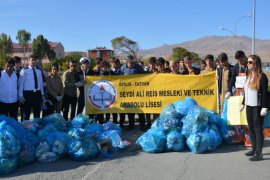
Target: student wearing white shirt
x=255, y=99
x=31, y=91
x=9, y=90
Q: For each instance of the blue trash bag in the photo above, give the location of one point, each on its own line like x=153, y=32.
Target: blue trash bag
x=93, y=129
x=57, y=120
x=31, y=126
x=45, y=131
x=58, y=142
x=77, y=133
x=115, y=139
x=83, y=149
x=266, y=121
x=8, y=165
x=80, y=121
x=9, y=142
x=156, y=123
x=43, y=153
x=195, y=121
x=215, y=138
x=153, y=141
x=17, y=126
x=170, y=123
x=224, y=109
x=27, y=154
x=111, y=126
x=199, y=142
x=169, y=111
x=182, y=106
x=32, y=139
x=175, y=141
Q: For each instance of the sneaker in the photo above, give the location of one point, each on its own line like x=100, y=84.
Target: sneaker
x=257, y=157
x=250, y=153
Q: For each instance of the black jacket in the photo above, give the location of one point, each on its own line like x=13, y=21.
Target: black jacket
x=262, y=93
x=231, y=79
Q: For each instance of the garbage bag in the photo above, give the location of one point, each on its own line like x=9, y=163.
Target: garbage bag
x=196, y=120
x=116, y=140
x=224, y=109
x=156, y=123
x=31, y=126
x=77, y=133
x=93, y=129
x=56, y=120
x=45, y=131
x=111, y=126
x=43, y=153
x=170, y=123
x=266, y=121
x=8, y=165
x=175, y=141
x=153, y=141
x=9, y=142
x=27, y=154
x=83, y=149
x=20, y=131
x=58, y=142
x=169, y=111
x=199, y=142
x=215, y=138
x=80, y=121
x=182, y=106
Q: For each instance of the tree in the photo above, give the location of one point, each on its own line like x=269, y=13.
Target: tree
x=23, y=38
x=42, y=49
x=5, y=48
x=180, y=53
x=126, y=46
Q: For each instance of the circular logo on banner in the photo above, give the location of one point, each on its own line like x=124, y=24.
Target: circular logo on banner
x=102, y=94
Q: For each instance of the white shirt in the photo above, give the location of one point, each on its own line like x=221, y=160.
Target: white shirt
x=251, y=95
x=27, y=80
x=8, y=87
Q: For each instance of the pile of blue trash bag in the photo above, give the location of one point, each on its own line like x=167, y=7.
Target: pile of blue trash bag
x=185, y=124
x=52, y=137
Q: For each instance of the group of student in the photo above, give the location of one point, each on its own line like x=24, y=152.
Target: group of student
x=32, y=90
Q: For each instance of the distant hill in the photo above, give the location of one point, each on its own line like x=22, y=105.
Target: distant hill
x=214, y=45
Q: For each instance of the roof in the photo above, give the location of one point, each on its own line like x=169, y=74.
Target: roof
x=18, y=46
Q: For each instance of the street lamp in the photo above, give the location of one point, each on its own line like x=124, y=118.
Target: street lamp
x=233, y=34
x=254, y=15
x=235, y=25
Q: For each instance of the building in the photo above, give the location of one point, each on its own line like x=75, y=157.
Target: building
x=57, y=47
x=100, y=52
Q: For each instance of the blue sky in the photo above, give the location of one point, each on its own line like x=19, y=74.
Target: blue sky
x=83, y=24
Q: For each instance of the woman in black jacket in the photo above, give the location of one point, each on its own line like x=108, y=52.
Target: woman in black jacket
x=255, y=99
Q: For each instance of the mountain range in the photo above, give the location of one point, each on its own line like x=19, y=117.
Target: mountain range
x=214, y=45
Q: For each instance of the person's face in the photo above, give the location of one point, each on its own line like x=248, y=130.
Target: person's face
x=223, y=63
x=174, y=67
x=152, y=66
x=113, y=65
x=181, y=64
x=250, y=63
x=103, y=68
x=54, y=71
x=85, y=66
x=188, y=63
x=32, y=62
x=18, y=65
x=161, y=67
x=208, y=62
x=73, y=66
x=130, y=64
x=242, y=61
x=9, y=68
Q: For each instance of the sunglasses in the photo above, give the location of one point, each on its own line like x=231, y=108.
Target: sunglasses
x=250, y=62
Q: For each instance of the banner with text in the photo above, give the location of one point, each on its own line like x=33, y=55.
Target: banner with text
x=147, y=93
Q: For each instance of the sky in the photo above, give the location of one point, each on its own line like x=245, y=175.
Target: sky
x=85, y=24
